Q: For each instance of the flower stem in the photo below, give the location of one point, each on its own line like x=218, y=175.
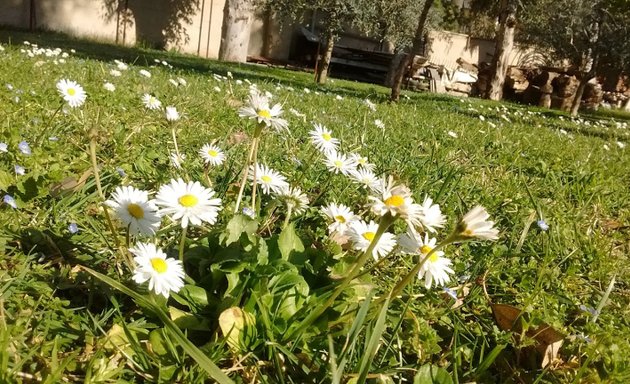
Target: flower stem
x=245, y=174
x=288, y=217
x=182, y=243
x=255, y=163
x=384, y=224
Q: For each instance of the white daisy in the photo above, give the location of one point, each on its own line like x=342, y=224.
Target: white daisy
x=164, y=274
x=362, y=161
x=151, y=102
x=109, y=87
x=339, y=163
x=436, y=267
x=431, y=216
x=71, y=92
x=370, y=105
x=122, y=66
x=366, y=178
x=293, y=197
x=258, y=109
x=145, y=73
x=212, y=154
x=379, y=124
x=188, y=202
x=396, y=200
x=135, y=211
x=474, y=224
x=340, y=215
x=362, y=234
x=268, y=179
x=115, y=73
x=182, y=81
x=177, y=160
x=171, y=114
x=322, y=139
x=173, y=82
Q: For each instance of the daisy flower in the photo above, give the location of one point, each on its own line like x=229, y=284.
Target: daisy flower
x=370, y=105
x=71, y=92
x=474, y=224
x=189, y=202
x=163, y=274
x=431, y=216
x=436, y=268
x=115, y=73
x=151, y=102
x=177, y=160
x=396, y=200
x=379, y=124
x=339, y=163
x=145, y=73
x=135, y=211
x=259, y=109
x=10, y=201
x=268, y=179
x=366, y=178
x=24, y=148
x=109, y=87
x=19, y=170
x=171, y=114
x=294, y=198
x=322, y=139
x=362, y=234
x=4, y=147
x=340, y=215
x=212, y=155
x=362, y=161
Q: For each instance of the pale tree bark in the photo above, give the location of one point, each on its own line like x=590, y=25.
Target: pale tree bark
x=416, y=49
x=324, y=63
x=589, y=68
x=503, y=47
x=237, y=16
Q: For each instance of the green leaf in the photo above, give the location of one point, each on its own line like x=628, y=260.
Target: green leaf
x=289, y=242
x=201, y=358
x=432, y=374
x=373, y=343
x=186, y=320
x=238, y=225
x=262, y=256
x=195, y=297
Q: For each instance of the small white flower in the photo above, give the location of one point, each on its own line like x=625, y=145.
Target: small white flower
x=396, y=200
x=366, y=178
x=145, y=73
x=173, y=82
x=115, y=73
x=621, y=144
x=189, y=202
x=177, y=160
x=268, y=179
x=19, y=170
x=370, y=105
x=151, y=102
x=322, y=139
x=340, y=215
x=258, y=109
x=135, y=211
x=4, y=147
x=109, y=87
x=431, y=216
x=379, y=124
x=452, y=134
x=171, y=114
x=362, y=234
x=362, y=161
x=71, y=92
x=294, y=198
x=340, y=163
x=182, y=81
x=163, y=274
x=474, y=224
x=212, y=155
x=436, y=268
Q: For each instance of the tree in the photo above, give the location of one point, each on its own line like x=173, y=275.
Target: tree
x=504, y=42
x=416, y=48
x=590, y=34
x=237, y=17
x=331, y=17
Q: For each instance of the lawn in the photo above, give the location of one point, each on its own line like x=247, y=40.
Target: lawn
x=276, y=293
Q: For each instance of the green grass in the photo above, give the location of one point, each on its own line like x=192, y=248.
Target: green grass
x=59, y=324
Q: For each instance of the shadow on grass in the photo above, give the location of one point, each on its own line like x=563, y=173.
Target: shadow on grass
x=107, y=52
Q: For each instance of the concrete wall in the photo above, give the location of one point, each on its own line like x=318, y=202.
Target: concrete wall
x=444, y=48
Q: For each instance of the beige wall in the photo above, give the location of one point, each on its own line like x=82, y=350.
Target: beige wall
x=444, y=48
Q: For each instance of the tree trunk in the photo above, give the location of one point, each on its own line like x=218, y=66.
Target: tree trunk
x=267, y=34
x=577, y=99
x=416, y=48
x=503, y=47
x=237, y=16
x=324, y=63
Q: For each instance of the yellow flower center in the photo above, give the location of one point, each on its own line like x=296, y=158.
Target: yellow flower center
x=425, y=249
x=135, y=211
x=434, y=258
x=338, y=163
x=340, y=219
x=71, y=91
x=468, y=233
x=395, y=201
x=212, y=153
x=159, y=265
x=264, y=113
x=188, y=201
x=369, y=236
x=326, y=136
x=266, y=179
x=362, y=160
